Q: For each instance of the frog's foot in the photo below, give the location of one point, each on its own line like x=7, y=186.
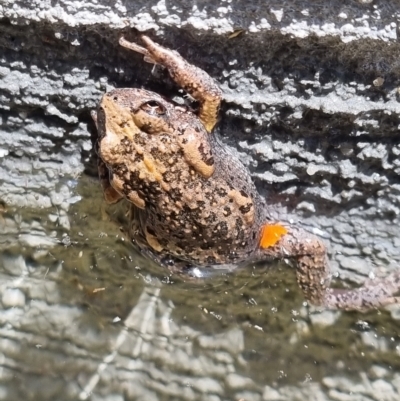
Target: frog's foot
x=138, y=49
x=192, y=79
x=110, y=194
x=373, y=294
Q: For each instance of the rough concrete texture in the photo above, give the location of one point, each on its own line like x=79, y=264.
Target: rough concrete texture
x=311, y=103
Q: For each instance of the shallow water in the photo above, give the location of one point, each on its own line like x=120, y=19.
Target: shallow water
x=85, y=316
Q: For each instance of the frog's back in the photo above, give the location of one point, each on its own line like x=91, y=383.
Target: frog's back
x=206, y=220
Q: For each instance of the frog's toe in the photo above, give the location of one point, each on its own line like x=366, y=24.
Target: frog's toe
x=138, y=49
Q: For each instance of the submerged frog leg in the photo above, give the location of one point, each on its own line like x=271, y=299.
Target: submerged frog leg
x=279, y=241
x=313, y=273
x=373, y=294
x=192, y=79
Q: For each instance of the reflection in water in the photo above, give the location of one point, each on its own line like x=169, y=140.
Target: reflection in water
x=150, y=338
x=84, y=316
x=141, y=320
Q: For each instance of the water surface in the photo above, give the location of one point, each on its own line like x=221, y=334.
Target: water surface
x=85, y=316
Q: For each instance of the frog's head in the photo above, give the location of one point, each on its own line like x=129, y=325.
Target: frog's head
x=143, y=136
x=124, y=112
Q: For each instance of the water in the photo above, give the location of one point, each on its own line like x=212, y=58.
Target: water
x=85, y=316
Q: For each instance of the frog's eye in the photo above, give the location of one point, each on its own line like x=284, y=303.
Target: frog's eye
x=153, y=108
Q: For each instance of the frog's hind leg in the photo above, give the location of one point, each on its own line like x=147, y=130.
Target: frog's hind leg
x=374, y=293
x=313, y=274
x=279, y=241
x=192, y=79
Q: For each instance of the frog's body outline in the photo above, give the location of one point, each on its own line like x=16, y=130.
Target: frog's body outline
x=193, y=202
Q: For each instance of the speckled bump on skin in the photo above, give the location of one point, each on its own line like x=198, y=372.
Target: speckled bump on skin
x=193, y=202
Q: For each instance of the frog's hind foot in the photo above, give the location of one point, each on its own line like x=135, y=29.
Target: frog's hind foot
x=375, y=293
x=138, y=49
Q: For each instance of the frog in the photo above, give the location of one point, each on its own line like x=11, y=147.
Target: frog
x=192, y=202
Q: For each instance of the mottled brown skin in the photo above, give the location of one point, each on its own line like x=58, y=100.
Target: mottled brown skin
x=192, y=202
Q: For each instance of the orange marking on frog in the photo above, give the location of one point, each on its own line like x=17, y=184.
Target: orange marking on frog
x=271, y=234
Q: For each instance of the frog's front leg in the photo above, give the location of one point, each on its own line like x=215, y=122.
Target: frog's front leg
x=192, y=79
x=110, y=194
x=313, y=273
